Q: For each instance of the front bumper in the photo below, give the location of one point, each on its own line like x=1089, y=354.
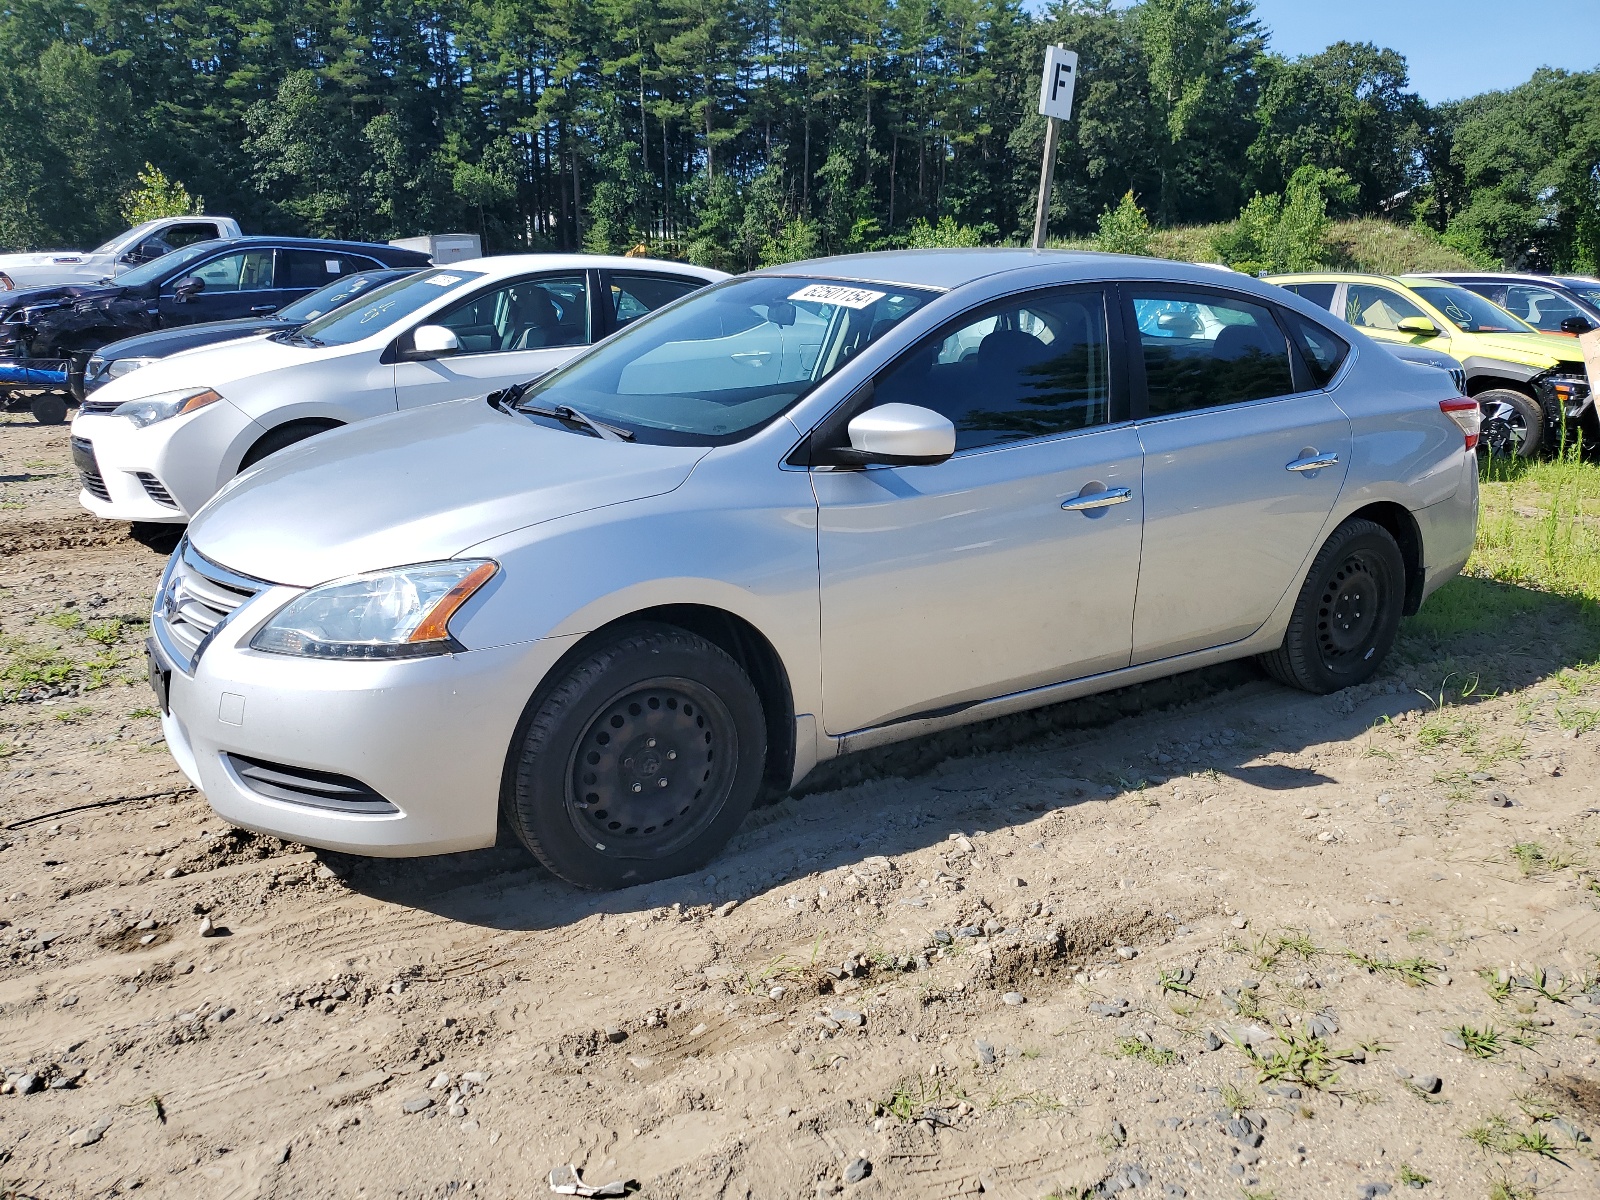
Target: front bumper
x=427, y=736
x=164, y=472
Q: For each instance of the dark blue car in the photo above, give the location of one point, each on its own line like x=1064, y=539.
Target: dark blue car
x=117, y=359
x=215, y=280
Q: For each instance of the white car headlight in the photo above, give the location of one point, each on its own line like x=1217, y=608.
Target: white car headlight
x=400, y=613
x=121, y=366
x=162, y=405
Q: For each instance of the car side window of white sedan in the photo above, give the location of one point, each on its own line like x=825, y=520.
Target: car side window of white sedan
x=1021, y=369
x=1203, y=350
x=525, y=314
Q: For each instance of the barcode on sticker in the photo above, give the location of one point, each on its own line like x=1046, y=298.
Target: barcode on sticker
x=831, y=293
x=443, y=280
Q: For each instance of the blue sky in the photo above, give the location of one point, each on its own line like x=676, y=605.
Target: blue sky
x=1454, y=49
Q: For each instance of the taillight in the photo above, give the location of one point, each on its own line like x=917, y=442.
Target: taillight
x=1466, y=414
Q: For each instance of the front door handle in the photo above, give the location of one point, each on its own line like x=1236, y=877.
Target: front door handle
x=1092, y=500
x=1313, y=462
x=264, y=308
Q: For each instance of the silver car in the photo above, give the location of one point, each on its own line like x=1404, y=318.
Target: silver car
x=803, y=512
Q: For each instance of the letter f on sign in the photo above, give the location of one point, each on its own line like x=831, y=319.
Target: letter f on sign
x=1055, y=86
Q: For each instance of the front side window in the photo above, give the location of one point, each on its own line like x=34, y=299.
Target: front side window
x=384, y=306
x=1470, y=312
x=529, y=314
x=1202, y=350
x=246, y=271
x=1369, y=307
x=728, y=359
x=169, y=268
x=1025, y=368
x=1540, y=307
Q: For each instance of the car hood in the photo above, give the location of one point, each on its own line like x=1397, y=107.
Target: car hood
x=216, y=365
x=1532, y=349
x=32, y=297
x=163, y=342
x=419, y=486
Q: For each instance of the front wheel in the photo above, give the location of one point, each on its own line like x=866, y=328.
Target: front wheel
x=1513, y=423
x=1348, y=612
x=640, y=763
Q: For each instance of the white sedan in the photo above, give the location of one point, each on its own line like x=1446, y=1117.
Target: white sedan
x=158, y=443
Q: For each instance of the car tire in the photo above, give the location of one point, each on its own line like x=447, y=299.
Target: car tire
x=1513, y=423
x=1347, y=614
x=639, y=763
x=48, y=410
x=282, y=438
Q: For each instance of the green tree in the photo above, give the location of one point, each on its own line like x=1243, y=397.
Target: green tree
x=157, y=196
x=1124, y=229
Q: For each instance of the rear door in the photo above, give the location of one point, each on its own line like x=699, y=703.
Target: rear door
x=302, y=271
x=510, y=332
x=1229, y=420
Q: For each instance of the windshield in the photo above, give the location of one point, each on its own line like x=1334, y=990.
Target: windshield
x=723, y=362
x=326, y=299
x=1468, y=311
x=126, y=238
x=1588, y=289
x=158, y=269
x=383, y=306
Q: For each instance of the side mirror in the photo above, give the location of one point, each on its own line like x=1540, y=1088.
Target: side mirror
x=1418, y=325
x=188, y=288
x=896, y=435
x=433, y=341
x=1576, y=325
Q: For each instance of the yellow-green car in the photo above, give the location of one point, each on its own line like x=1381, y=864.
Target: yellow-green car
x=1532, y=386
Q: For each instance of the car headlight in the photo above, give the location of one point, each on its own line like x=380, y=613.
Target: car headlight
x=400, y=613
x=163, y=405
x=119, y=367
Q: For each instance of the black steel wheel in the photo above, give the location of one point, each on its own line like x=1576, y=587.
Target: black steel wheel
x=48, y=408
x=639, y=762
x=1347, y=614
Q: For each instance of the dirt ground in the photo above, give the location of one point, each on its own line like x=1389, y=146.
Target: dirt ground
x=1211, y=938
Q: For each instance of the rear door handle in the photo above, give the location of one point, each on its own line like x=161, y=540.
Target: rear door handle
x=1314, y=462
x=1093, y=500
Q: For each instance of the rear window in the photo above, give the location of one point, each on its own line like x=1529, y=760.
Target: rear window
x=1320, y=294
x=1323, y=350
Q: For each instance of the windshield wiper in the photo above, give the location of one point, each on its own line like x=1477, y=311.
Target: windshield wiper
x=293, y=337
x=571, y=416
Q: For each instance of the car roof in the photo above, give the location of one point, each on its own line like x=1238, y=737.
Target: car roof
x=1455, y=276
x=507, y=264
x=1332, y=277
x=948, y=269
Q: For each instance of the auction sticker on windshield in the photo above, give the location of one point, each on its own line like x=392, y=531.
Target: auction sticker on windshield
x=845, y=297
x=442, y=280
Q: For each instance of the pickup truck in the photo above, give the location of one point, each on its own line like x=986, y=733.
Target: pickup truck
x=141, y=244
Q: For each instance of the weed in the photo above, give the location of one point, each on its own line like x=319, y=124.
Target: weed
x=1156, y=1056
x=64, y=620
x=1297, y=942
x=107, y=633
x=1235, y=1099
x=73, y=715
x=1411, y=1177
x=1498, y=1136
x=140, y=713
x=1583, y=720
x=1524, y=1034
x=1414, y=971
x=32, y=666
x=912, y=1097
x=1481, y=1043
x=1038, y=1101
x=1306, y=1060
x=1265, y=1194
x=1174, y=981
x=1504, y=1189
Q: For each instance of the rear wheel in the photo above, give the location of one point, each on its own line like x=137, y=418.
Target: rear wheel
x=640, y=763
x=1513, y=423
x=1347, y=614
x=48, y=409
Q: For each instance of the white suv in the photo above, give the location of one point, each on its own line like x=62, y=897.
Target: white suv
x=156, y=444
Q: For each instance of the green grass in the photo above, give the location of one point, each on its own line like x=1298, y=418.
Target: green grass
x=1413, y=971
x=1156, y=1056
x=1481, y=1043
x=1497, y=1135
x=1533, y=859
x=1411, y=1177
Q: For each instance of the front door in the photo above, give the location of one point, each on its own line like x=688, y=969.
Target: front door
x=1234, y=498
x=238, y=284
x=1013, y=564
x=1377, y=311
x=509, y=333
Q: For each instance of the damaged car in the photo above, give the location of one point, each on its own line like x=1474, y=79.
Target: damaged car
x=48, y=333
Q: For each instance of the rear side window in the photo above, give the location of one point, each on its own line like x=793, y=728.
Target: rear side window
x=1027, y=367
x=1323, y=350
x=313, y=268
x=1202, y=350
x=632, y=296
x=1320, y=294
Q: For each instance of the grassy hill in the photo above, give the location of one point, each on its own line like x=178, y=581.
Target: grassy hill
x=1361, y=244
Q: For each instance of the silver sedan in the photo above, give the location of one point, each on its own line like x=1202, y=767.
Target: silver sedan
x=811, y=510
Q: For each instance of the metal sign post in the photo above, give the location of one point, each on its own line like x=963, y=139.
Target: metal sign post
x=1055, y=103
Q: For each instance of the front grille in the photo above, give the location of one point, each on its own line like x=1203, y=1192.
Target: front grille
x=315, y=789
x=89, y=469
x=98, y=406
x=196, y=597
x=155, y=490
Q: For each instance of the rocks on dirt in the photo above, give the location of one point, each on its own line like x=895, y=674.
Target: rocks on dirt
x=1014, y=999
x=91, y=1133
x=568, y=1181
x=417, y=1104
x=1108, y=1008
x=985, y=1052
x=858, y=1170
